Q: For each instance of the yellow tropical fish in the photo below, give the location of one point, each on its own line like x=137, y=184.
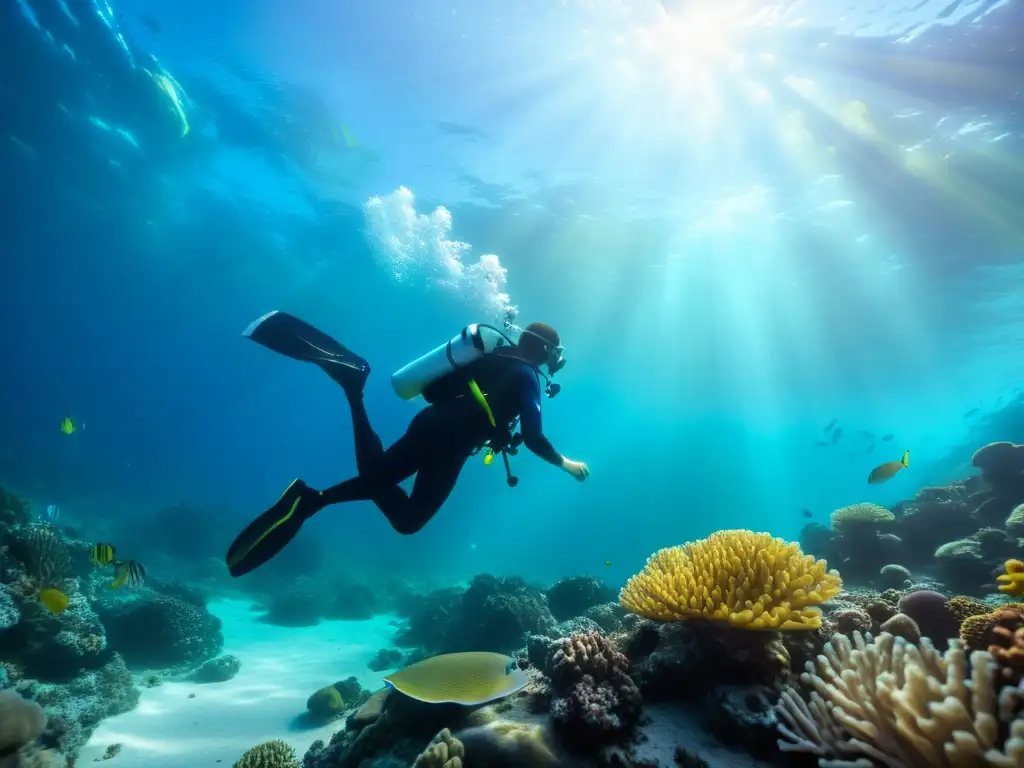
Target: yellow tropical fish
x=488, y=458
x=67, y=426
x=54, y=600
x=884, y=472
x=101, y=554
x=470, y=679
x=607, y=563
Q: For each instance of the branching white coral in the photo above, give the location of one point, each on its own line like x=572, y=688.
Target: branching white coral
x=885, y=702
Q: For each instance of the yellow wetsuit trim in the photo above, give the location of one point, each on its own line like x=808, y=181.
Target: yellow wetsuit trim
x=479, y=397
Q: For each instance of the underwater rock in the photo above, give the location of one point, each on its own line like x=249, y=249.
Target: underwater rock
x=218, y=670
x=573, y=596
x=493, y=614
x=77, y=707
x=576, y=626
x=353, y=602
x=301, y=604
x=430, y=622
x=14, y=510
x=903, y=626
x=386, y=658
x=57, y=647
x=497, y=614
x=743, y=716
x=817, y=540
x=893, y=576
x=930, y=611
x=1000, y=463
x=21, y=722
x=962, y=568
x=158, y=631
x=608, y=616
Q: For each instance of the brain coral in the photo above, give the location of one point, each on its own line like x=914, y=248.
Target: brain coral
x=749, y=580
x=858, y=517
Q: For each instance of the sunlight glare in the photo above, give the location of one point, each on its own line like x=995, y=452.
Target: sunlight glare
x=693, y=46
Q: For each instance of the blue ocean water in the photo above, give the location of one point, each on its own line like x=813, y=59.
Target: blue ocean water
x=746, y=222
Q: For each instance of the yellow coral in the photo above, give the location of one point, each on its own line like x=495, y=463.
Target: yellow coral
x=856, y=517
x=445, y=751
x=1012, y=582
x=749, y=580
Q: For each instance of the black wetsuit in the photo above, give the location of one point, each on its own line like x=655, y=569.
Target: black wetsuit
x=439, y=440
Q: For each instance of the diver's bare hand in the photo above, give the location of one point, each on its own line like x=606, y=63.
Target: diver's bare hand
x=577, y=469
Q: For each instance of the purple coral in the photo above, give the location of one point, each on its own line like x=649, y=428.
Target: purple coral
x=593, y=692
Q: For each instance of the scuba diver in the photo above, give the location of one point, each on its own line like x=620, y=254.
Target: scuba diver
x=478, y=386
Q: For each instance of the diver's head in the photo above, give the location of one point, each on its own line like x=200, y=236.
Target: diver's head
x=539, y=345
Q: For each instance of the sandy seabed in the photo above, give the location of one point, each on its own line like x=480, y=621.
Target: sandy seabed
x=187, y=725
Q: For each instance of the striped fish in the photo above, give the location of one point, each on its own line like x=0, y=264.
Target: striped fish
x=130, y=573
x=52, y=513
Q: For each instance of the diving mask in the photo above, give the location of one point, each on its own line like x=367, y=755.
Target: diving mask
x=556, y=352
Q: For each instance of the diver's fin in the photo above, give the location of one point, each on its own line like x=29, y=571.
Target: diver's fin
x=269, y=533
x=295, y=338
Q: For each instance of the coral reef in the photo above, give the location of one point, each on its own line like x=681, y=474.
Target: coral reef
x=269, y=754
x=444, y=751
x=574, y=596
x=331, y=701
x=886, y=701
x=954, y=537
x=386, y=658
x=749, y=580
x=14, y=510
x=594, y=696
x=493, y=614
x=152, y=630
x=61, y=661
x=77, y=706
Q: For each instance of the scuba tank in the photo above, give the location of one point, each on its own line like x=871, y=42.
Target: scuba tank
x=471, y=344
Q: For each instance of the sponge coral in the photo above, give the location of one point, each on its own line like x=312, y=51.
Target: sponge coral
x=269, y=754
x=888, y=702
x=749, y=580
